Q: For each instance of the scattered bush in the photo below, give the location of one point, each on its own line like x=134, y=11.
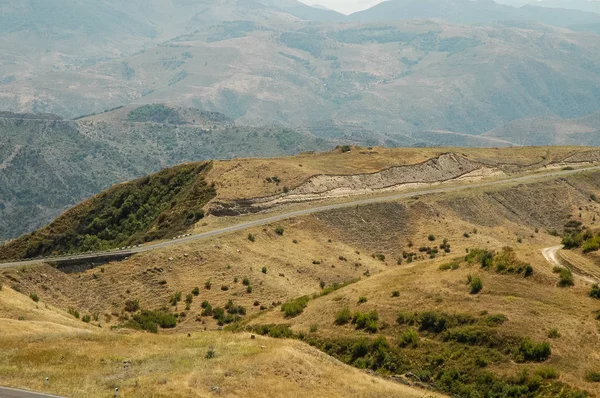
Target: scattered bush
x=151, y=320
x=246, y=282
x=274, y=331
x=196, y=291
x=86, y=318
x=235, y=309
x=553, y=334
x=211, y=353
x=528, y=271
x=295, y=307
x=175, y=298
x=547, y=373
x=248, y=289
x=279, y=231
x=34, y=297
x=407, y=319
x=595, y=292
x=362, y=299
x=366, y=321
x=450, y=266
x=189, y=298
x=431, y=238
x=251, y=238
x=264, y=270
x=224, y=288
x=475, y=284
x=536, y=352
x=592, y=377
x=207, y=284
x=395, y=293
x=380, y=257
x=132, y=305
x=74, y=312
x=343, y=317
x=409, y=338
x=565, y=278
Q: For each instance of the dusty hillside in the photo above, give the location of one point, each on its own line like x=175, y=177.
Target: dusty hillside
x=259, y=269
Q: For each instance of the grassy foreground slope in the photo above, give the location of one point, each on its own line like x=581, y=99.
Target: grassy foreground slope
x=157, y=206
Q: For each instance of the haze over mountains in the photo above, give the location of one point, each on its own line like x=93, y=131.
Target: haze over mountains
x=403, y=73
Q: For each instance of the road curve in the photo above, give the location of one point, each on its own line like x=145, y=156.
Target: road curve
x=268, y=220
x=550, y=254
x=6, y=392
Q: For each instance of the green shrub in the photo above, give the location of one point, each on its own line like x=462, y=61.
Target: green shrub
x=207, y=284
x=274, y=331
x=476, y=285
x=313, y=328
x=407, y=318
x=547, y=373
x=211, y=353
x=409, y=338
x=189, y=298
x=366, y=321
x=132, y=305
x=175, y=298
x=196, y=291
x=295, y=307
x=151, y=320
x=86, y=318
x=396, y=293
x=450, y=266
x=592, y=377
x=264, y=270
x=279, y=231
x=380, y=257
x=246, y=282
x=248, y=289
x=595, y=292
x=528, y=271
x=553, y=334
x=251, y=238
x=343, y=316
x=74, y=312
x=565, y=278
x=530, y=351
x=431, y=238
x=362, y=299
x=34, y=297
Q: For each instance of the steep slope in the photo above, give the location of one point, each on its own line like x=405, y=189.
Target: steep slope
x=47, y=166
x=157, y=206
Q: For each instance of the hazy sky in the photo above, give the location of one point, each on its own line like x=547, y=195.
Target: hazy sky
x=345, y=6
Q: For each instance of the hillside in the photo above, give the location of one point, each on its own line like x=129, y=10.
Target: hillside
x=553, y=131
x=407, y=261
x=47, y=166
x=259, y=63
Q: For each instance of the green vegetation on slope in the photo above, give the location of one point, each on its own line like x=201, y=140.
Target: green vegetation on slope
x=157, y=206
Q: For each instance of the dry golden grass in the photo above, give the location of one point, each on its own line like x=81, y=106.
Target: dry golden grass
x=91, y=364
x=246, y=178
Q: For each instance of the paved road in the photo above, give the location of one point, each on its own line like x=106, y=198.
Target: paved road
x=14, y=393
x=272, y=219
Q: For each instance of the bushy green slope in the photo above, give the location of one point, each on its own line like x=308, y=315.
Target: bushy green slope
x=47, y=166
x=153, y=207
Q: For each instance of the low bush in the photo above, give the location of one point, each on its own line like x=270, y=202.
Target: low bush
x=295, y=307
x=553, y=334
x=343, y=317
x=279, y=231
x=175, y=298
x=450, y=266
x=274, y=331
x=396, y=293
x=34, y=297
x=132, y=305
x=246, y=282
x=362, y=300
x=595, y=292
x=565, y=278
x=264, y=270
x=251, y=238
x=592, y=377
x=74, y=312
x=547, y=373
x=533, y=352
x=475, y=284
x=367, y=321
x=409, y=338
x=151, y=320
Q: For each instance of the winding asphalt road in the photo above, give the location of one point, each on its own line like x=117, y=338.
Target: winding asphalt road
x=14, y=393
x=272, y=219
